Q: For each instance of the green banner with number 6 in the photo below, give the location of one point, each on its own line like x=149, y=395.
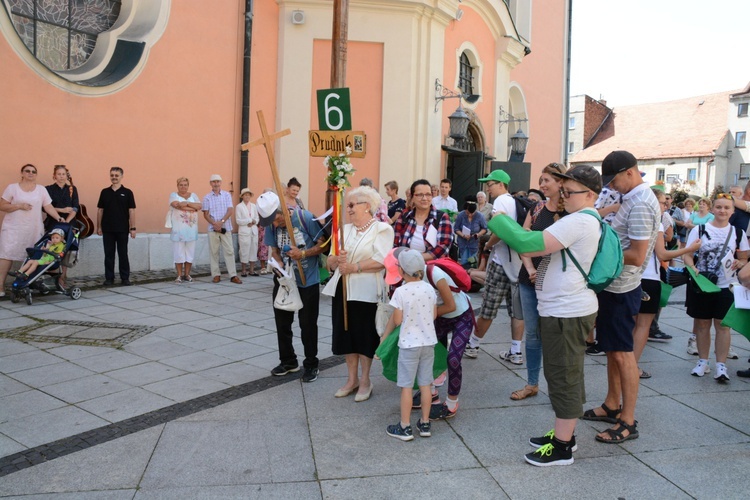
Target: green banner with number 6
x=334, y=109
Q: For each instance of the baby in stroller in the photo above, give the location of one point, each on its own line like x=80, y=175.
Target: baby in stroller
x=56, y=245
x=40, y=271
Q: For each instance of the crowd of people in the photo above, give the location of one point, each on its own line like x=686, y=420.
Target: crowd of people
x=515, y=251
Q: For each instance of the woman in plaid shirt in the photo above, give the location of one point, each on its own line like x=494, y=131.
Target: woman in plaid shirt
x=424, y=228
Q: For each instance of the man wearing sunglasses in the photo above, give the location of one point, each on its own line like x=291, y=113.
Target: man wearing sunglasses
x=637, y=225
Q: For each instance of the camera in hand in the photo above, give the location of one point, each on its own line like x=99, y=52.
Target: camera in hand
x=223, y=230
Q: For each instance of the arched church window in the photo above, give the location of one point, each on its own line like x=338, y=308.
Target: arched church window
x=89, y=43
x=62, y=33
x=465, y=75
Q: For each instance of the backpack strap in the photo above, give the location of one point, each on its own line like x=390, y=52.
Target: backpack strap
x=570, y=254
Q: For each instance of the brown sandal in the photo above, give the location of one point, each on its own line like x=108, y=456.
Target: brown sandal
x=527, y=391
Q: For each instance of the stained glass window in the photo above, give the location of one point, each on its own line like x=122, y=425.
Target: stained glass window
x=62, y=33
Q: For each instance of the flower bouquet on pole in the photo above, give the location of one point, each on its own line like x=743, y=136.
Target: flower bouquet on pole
x=339, y=170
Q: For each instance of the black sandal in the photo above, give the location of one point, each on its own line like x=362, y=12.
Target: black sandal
x=610, y=417
x=615, y=433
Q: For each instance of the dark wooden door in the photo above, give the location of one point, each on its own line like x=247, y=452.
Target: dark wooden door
x=463, y=170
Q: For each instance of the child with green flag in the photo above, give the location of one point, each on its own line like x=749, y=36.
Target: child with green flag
x=567, y=306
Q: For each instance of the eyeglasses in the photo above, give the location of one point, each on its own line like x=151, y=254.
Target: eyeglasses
x=423, y=195
x=29, y=172
x=566, y=194
x=350, y=205
x=490, y=184
x=724, y=196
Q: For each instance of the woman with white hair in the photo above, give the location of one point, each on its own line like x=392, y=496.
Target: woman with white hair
x=366, y=242
x=483, y=207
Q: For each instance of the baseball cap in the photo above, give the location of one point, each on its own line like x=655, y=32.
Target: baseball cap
x=616, y=162
x=59, y=231
x=409, y=260
x=215, y=177
x=268, y=203
x=391, y=268
x=497, y=176
x=585, y=175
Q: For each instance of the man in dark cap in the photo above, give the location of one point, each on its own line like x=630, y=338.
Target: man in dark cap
x=636, y=224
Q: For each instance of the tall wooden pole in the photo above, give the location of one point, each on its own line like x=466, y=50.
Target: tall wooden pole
x=339, y=40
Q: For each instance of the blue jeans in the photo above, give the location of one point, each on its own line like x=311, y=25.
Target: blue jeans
x=531, y=332
x=465, y=254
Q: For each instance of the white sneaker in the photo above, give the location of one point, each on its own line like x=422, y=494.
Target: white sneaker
x=731, y=354
x=471, y=352
x=721, y=373
x=514, y=357
x=701, y=368
x=692, y=348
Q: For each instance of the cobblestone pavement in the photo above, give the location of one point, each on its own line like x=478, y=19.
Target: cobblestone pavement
x=162, y=390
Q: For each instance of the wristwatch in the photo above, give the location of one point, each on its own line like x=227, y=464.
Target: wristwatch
x=132, y=229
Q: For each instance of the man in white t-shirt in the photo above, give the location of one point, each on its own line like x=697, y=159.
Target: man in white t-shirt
x=444, y=201
x=502, y=276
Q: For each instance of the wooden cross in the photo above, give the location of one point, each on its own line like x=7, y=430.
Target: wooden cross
x=267, y=141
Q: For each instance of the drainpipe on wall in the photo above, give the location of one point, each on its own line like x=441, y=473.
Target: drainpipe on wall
x=246, y=91
x=566, y=105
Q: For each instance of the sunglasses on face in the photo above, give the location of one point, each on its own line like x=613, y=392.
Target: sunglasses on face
x=29, y=171
x=351, y=205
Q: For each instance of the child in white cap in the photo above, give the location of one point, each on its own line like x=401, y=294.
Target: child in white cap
x=415, y=306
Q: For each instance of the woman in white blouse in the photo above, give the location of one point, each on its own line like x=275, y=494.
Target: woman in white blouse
x=246, y=214
x=366, y=243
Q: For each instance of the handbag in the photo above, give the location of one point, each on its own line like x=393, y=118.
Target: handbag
x=384, y=311
x=287, y=297
x=168, y=220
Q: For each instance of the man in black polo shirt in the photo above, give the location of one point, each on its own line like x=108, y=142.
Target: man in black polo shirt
x=115, y=220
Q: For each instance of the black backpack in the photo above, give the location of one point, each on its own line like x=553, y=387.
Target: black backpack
x=523, y=205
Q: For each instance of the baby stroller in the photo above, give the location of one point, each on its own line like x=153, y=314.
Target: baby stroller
x=46, y=278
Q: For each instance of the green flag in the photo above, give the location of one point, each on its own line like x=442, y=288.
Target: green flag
x=703, y=283
x=666, y=291
x=739, y=320
x=387, y=351
x=515, y=236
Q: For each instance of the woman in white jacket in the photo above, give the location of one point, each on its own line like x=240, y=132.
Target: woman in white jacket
x=246, y=214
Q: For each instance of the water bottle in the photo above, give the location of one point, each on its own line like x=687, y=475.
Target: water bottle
x=299, y=239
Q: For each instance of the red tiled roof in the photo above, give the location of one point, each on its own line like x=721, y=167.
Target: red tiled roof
x=674, y=129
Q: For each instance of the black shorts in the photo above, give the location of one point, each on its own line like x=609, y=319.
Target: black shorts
x=708, y=305
x=616, y=319
x=653, y=289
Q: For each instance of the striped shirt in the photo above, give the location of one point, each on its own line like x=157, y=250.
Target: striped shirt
x=638, y=218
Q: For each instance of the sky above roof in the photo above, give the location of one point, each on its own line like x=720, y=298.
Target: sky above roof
x=643, y=51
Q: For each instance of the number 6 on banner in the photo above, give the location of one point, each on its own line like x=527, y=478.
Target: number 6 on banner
x=334, y=109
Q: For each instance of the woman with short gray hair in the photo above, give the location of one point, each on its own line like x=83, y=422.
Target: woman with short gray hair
x=365, y=245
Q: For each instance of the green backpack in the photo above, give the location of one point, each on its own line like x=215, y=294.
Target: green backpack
x=608, y=261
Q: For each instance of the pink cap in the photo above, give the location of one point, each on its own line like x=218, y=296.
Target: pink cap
x=390, y=262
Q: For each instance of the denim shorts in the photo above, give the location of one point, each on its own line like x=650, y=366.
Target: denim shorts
x=415, y=362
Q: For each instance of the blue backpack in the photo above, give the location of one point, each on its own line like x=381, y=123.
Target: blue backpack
x=608, y=262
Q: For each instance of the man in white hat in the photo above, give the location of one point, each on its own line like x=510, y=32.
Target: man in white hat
x=301, y=249
x=218, y=210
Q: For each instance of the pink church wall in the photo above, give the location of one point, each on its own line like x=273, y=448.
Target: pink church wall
x=180, y=117
x=364, y=77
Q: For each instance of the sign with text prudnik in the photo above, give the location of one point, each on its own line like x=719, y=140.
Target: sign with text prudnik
x=332, y=143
